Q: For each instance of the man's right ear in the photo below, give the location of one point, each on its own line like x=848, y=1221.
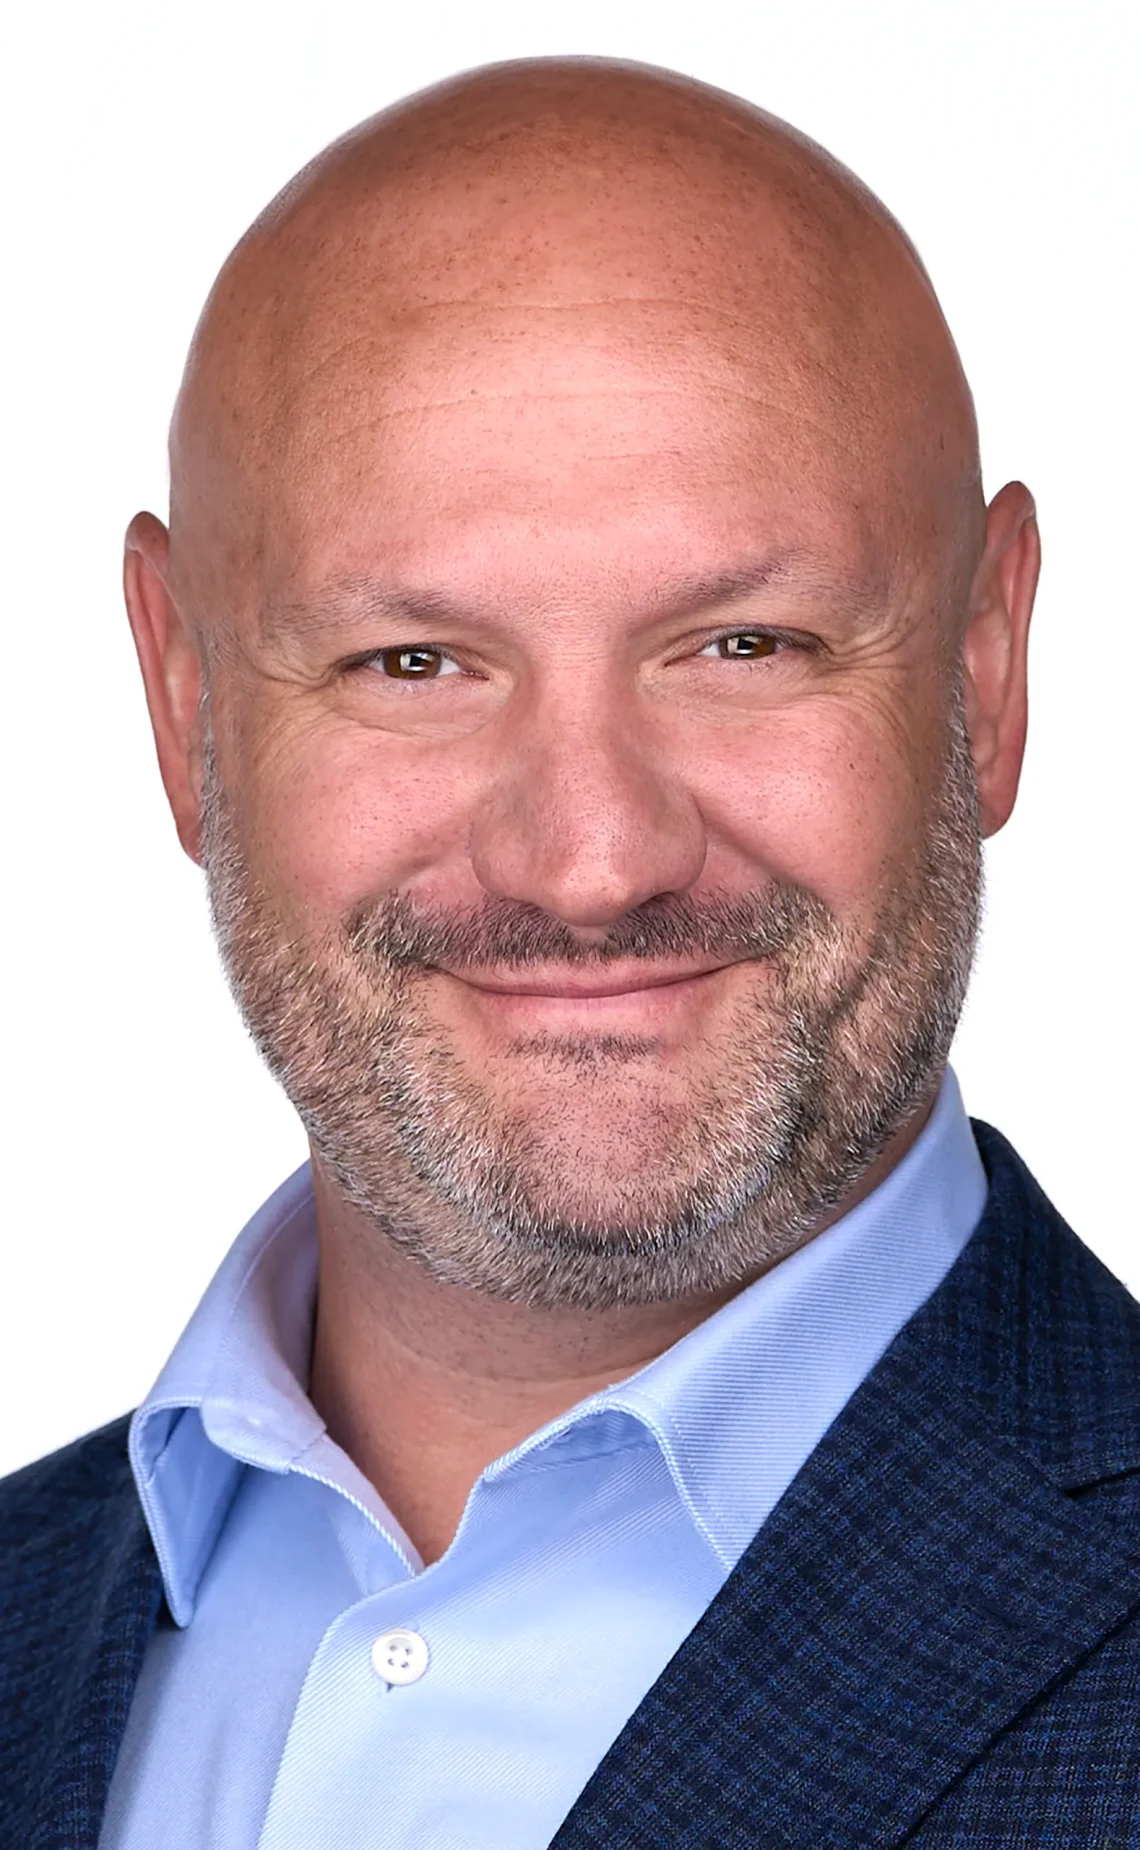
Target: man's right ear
x=171, y=671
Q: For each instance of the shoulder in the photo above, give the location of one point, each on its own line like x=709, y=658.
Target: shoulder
x=79, y=1592
x=67, y=1492
x=1031, y=1256
x=1048, y=1253
x=1043, y=1331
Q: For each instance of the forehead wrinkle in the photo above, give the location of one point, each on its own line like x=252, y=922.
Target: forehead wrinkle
x=400, y=355
x=551, y=184
x=341, y=240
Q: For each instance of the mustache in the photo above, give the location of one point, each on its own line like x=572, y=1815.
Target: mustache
x=510, y=934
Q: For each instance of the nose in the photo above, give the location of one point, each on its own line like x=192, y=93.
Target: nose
x=587, y=815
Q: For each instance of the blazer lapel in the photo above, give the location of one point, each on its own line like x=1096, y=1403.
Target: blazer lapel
x=920, y=1583
x=87, y=1591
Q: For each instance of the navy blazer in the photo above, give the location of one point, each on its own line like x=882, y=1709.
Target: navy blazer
x=933, y=1639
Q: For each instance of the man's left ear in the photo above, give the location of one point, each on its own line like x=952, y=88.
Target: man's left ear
x=995, y=647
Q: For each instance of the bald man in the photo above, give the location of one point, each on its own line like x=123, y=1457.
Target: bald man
x=583, y=662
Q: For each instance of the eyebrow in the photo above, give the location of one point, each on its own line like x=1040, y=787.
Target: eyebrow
x=364, y=597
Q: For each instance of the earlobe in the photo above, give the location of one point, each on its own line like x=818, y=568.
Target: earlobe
x=171, y=669
x=995, y=651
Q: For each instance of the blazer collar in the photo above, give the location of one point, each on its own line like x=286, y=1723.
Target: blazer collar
x=924, y=1577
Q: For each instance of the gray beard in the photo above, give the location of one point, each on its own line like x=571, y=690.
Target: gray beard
x=816, y=1076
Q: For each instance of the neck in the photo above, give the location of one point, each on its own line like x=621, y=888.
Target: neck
x=424, y=1384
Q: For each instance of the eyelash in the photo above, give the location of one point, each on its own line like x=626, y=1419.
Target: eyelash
x=375, y=658
x=781, y=642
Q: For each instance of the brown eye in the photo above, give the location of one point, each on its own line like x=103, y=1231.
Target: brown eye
x=420, y=664
x=747, y=645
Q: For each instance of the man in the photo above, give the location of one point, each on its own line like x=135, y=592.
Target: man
x=583, y=662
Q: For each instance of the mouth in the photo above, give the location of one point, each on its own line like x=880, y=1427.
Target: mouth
x=615, y=984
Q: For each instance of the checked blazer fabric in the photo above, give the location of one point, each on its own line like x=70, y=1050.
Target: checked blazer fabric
x=934, y=1640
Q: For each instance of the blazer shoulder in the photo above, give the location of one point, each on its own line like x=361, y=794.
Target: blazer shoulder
x=37, y=1499
x=1045, y=1330
x=80, y=1590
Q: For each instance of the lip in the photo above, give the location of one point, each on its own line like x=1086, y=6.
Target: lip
x=588, y=986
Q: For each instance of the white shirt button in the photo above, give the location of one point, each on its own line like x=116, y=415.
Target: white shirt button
x=400, y=1657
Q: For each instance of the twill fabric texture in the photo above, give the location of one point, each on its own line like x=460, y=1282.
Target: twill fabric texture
x=933, y=1639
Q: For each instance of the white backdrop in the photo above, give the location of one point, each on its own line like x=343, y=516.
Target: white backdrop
x=141, y=1130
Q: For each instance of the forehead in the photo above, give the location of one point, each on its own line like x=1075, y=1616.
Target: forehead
x=561, y=438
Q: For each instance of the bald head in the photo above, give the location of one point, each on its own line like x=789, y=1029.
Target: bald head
x=582, y=222
x=578, y=541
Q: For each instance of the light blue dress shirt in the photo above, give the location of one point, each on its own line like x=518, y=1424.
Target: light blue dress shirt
x=583, y=1559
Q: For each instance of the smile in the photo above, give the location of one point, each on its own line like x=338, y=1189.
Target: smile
x=638, y=993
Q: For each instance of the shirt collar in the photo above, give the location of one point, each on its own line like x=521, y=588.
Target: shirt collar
x=740, y=1403
x=736, y=1406
x=233, y=1392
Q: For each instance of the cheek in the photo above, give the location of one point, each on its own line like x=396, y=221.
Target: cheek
x=338, y=817
x=825, y=793
x=824, y=796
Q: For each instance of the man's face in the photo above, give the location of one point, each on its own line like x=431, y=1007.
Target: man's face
x=589, y=814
